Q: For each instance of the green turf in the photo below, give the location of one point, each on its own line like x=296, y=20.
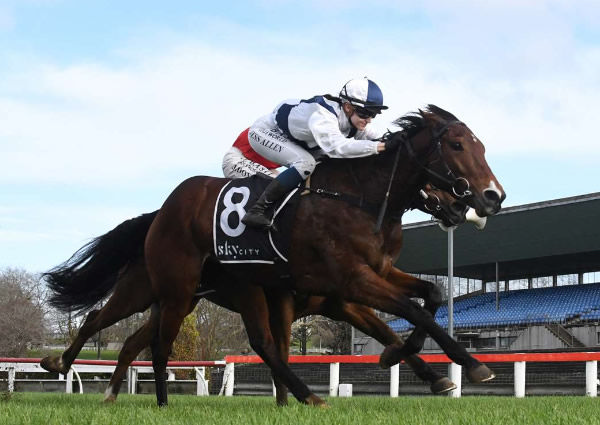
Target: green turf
x=62, y=409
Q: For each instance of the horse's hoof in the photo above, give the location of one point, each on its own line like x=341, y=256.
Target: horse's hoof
x=442, y=385
x=313, y=400
x=390, y=356
x=54, y=364
x=110, y=399
x=480, y=373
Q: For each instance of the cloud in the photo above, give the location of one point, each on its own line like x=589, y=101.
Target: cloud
x=165, y=104
x=182, y=107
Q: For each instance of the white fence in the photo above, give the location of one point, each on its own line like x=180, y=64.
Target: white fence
x=13, y=366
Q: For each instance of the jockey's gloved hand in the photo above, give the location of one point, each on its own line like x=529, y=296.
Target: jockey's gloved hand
x=391, y=143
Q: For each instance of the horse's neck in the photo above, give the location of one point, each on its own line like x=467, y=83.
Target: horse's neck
x=369, y=178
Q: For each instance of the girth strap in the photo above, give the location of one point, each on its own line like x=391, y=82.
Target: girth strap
x=356, y=201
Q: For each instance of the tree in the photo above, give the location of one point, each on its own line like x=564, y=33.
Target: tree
x=185, y=346
x=322, y=332
x=21, y=312
x=221, y=331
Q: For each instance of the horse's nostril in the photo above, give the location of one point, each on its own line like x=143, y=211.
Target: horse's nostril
x=492, y=196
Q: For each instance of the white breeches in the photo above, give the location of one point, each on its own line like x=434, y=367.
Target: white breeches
x=236, y=165
x=273, y=145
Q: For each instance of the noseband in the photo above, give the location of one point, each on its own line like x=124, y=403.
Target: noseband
x=431, y=202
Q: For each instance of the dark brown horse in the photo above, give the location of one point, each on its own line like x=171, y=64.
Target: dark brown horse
x=334, y=251
x=132, y=284
x=285, y=307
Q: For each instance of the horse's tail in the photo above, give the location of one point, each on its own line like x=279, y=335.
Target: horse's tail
x=91, y=273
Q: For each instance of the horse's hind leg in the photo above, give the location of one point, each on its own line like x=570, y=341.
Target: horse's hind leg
x=255, y=314
x=133, y=345
x=281, y=316
x=132, y=294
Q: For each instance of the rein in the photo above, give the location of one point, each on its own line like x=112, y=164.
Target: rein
x=379, y=210
x=383, y=208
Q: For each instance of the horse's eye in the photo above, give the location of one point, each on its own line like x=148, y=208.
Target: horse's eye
x=457, y=146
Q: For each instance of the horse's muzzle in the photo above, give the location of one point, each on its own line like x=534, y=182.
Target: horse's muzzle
x=491, y=202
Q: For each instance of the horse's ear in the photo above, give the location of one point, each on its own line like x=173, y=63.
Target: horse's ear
x=430, y=116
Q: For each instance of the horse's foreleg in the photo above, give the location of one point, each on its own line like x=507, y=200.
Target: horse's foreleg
x=364, y=319
x=255, y=314
x=366, y=287
x=281, y=316
x=414, y=288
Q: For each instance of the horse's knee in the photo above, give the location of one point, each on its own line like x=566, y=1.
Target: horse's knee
x=435, y=295
x=91, y=316
x=414, y=344
x=260, y=343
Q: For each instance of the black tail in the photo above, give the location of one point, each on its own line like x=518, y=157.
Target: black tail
x=91, y=273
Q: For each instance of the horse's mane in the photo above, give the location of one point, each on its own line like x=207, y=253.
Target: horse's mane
x=412, y=122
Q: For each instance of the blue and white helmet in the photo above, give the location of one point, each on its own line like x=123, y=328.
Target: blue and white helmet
x=363, y=93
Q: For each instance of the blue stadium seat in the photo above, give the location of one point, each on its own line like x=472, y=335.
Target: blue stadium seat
x=521, y=307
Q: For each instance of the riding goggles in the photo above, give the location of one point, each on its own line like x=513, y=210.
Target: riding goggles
x=365, y=113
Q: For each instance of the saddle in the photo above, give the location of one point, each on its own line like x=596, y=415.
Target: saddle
x=234, y=242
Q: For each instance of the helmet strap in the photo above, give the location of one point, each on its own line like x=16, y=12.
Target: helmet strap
x=341, y=102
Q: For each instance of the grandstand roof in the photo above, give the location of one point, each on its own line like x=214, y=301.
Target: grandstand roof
x=560, y=236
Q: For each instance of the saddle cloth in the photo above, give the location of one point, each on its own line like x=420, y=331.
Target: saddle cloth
x=234, y=242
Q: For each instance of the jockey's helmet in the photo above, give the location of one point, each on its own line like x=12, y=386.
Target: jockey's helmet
x=363, y=93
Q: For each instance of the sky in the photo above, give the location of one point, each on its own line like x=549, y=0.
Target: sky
x=105, y=106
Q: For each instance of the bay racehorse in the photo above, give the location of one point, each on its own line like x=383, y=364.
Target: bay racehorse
x=90, y=269
x=334, y=250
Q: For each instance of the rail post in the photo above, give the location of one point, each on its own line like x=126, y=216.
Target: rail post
x=132, y=380
x=11, y=379
x=455, y=375
x=69, y=385
x=201, y=382
x=229, y=379
x=394, y=380
x=591, y=378
x=334, y=379
x=520, y=379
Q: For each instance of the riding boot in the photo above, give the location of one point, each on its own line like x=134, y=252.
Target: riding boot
x=260, y=214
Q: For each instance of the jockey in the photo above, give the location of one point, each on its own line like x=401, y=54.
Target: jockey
x=241, y=161
x=297, y=131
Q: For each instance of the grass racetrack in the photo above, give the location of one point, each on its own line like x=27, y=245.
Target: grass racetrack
x=63, y=409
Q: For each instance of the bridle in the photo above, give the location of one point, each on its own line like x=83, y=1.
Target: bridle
x=446, y=179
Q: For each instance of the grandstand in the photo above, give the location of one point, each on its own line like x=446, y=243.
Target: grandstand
x=564, y=305
x=529, y=281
